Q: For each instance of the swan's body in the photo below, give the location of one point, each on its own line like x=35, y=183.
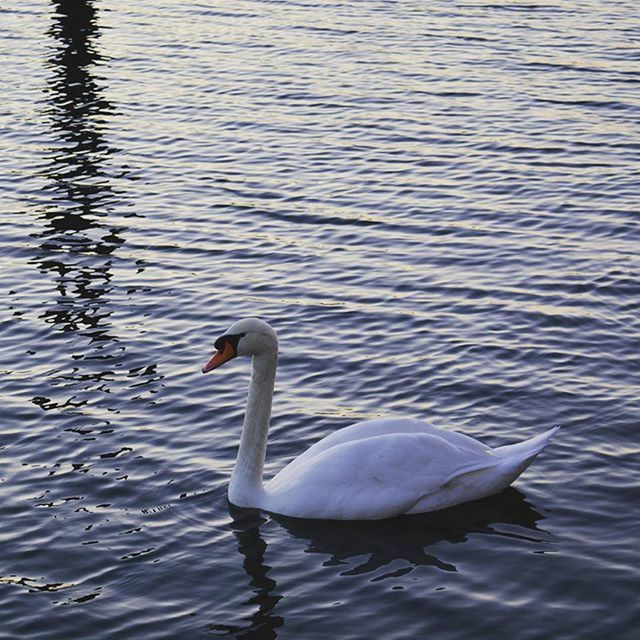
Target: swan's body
x=367, y=471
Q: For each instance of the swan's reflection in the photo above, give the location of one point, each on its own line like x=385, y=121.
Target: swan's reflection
x=409, y=537
x=383, y=542
x=263, y=623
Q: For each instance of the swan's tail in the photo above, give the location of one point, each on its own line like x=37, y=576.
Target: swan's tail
x=517, y=457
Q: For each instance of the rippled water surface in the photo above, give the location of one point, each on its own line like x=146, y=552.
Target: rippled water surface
x=436, y=206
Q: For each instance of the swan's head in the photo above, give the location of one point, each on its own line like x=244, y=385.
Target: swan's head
x=247, y=337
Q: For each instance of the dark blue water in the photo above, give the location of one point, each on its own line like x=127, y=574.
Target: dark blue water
x=435, y=204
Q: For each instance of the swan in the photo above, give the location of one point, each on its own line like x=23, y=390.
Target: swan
x=367, y=471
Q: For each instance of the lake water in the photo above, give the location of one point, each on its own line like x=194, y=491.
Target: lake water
x=435, y=204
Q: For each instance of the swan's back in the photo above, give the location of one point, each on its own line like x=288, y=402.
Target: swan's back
x=390, y=426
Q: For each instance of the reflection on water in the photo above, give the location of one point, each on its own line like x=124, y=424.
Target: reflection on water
x=385, y=542
x=251, y=546
x=77, y=241
x=406, y=538
x=495, y=292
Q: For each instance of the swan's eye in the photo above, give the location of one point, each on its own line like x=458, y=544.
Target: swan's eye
x=229, y=337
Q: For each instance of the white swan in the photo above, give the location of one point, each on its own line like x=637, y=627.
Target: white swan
x=367, y=471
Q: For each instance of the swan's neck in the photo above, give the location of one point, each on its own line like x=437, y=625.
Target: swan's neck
x=245, y=489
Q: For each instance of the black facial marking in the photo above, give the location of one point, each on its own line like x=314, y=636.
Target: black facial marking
x=228, y=337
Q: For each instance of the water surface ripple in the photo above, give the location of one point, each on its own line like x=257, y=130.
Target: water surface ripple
x=435, y=204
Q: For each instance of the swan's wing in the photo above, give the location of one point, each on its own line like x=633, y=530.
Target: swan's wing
x=374, y=477
x=389, y=426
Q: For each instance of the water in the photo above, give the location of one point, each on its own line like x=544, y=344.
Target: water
x=435, y=204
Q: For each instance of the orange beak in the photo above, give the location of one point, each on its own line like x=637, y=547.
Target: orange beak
x=220, y=357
